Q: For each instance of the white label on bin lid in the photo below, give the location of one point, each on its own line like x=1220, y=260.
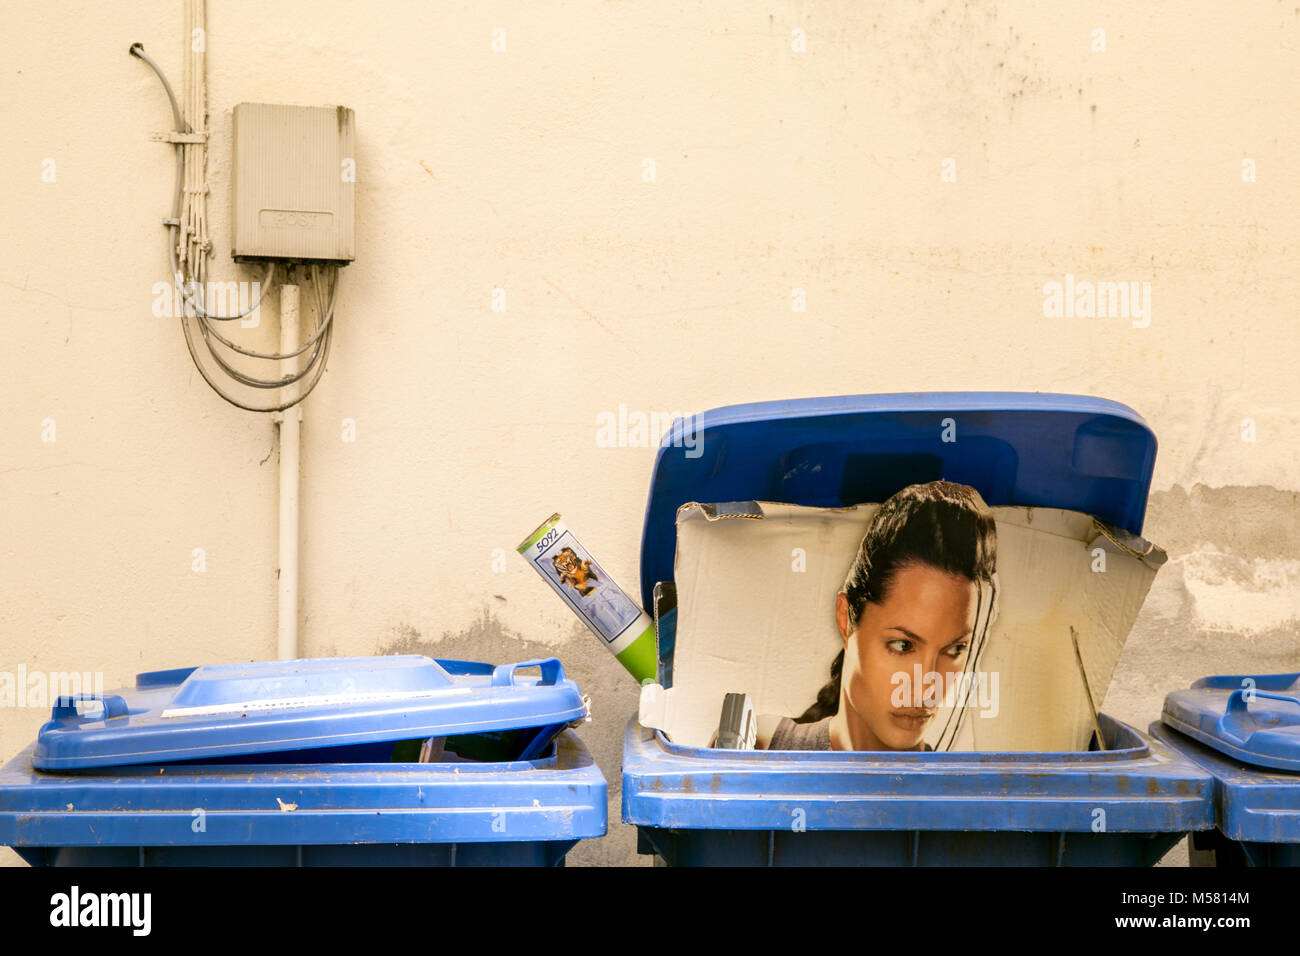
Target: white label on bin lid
x=321, y=700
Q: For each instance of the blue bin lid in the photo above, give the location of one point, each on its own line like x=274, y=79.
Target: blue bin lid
x=1035, y=449
x=275, y=706
x=1254, y=718
x=1254, y=805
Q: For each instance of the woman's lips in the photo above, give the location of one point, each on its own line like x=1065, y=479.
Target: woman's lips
x=911, y=719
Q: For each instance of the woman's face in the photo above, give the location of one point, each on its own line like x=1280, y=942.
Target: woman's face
x=926, y=620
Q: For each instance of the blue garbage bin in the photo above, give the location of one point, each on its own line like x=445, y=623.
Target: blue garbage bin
x=1245, y=731
x=697, y=806
x=310, y=763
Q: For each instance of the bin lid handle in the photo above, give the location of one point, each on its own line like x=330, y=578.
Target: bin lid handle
x=551, y=668
x=1238, y=703
x=66, y=705
x=1236, y=700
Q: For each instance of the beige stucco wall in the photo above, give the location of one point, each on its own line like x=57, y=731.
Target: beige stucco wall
x=775, y=170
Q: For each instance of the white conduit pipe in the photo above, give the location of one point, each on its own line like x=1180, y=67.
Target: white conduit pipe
x=193, y=243
x=290, y=425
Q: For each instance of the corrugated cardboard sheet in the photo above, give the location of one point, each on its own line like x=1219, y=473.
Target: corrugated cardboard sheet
x=756, y=587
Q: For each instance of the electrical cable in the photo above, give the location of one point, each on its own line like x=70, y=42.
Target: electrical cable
x=323, y=337
x=320, y=370
x=200, y=311
x=137, y=50
x=318, y=361
x=288, y=379
x=282, y=356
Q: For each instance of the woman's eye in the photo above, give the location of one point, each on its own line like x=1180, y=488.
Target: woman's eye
x=956, y=650
x=899, y=646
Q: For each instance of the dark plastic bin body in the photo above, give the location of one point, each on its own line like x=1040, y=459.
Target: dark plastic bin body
x=1257, y=809
x=308, y=813
x=1122, y=807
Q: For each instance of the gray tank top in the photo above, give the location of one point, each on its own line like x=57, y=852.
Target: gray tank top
x=817, y=736
x=791, y=736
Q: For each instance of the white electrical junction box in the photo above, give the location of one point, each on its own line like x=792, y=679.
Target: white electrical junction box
x=293, y=183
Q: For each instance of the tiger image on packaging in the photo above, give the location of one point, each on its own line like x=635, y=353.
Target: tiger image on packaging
x=576, y=572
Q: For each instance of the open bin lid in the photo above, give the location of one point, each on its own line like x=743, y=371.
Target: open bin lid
x=1252, y=718
x=273, y=706
x=1072, y=452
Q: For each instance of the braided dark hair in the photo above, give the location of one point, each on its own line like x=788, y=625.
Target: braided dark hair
x=940, y=524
